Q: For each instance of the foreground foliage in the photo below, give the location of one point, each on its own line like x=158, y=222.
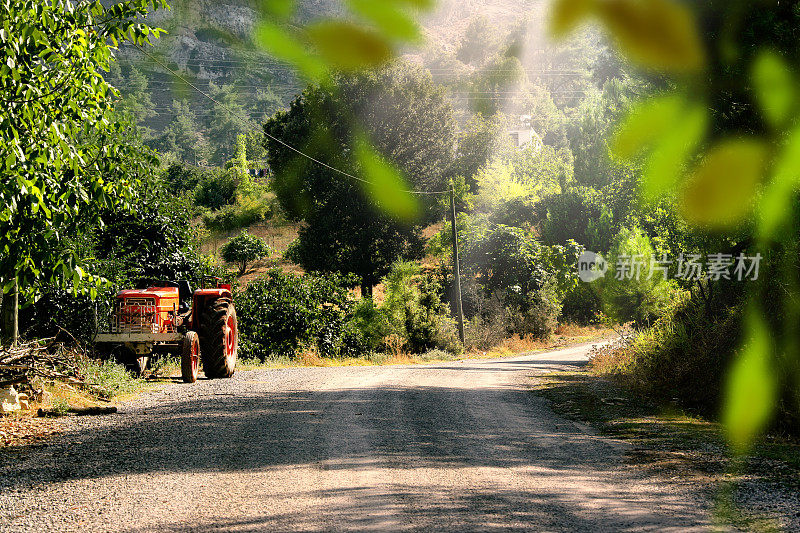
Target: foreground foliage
x=62, y=155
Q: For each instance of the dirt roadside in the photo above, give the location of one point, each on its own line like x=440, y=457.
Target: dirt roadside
x=760, y=492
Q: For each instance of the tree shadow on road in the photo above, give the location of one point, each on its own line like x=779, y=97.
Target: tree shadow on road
x=396, y=428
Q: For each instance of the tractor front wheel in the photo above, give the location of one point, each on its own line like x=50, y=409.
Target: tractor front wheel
x=190, y=357
x=219, y=339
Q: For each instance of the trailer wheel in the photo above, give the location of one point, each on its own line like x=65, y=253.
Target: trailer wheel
x=139, y=366
x=219, y=339
x=190, y=357
x=133, y=363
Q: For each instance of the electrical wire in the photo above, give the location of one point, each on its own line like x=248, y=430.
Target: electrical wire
x=249, y=124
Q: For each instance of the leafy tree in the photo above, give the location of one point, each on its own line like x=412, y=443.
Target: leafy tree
x=577, y=214
x=504, y=258
x=413, y=310
x=225, y=124
x=182, y=136
x=528, y=278
x=217, y=189
x=243, y=249
x=445, y=68
x=136, y=103
x=265, y=103
x=479, y=140
x=631, y=293
x=589, y=132
x=59, y=152
x=519, y=212
x=479, y=42
x=256, y=152
x=154, y=239
x=496, y=185
x=542, y=169
x=547, y=120
x=181, y=178
x=532, y=172
x=489, y=85
x=346, y=229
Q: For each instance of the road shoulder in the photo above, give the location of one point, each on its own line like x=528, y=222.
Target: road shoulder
x=757, y=493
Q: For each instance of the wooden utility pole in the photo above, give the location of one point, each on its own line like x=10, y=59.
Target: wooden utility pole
x=456, y=266
x=11, y=315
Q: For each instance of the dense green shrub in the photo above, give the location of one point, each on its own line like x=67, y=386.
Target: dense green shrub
x=582, y=305
x=181, y=178
x=372, y=323
x=682, y=356
x=536, y=313
x=244, y=213
x=243, y=249
x=282, y=313
x=634, y=296
x=217, y=189
x=527, y=277
x=415, y=311
x=577, y=214
x=519, y=212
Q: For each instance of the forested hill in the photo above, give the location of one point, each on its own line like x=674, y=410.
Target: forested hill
x=211, y=44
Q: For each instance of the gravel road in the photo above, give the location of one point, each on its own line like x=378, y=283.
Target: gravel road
x=453, y=446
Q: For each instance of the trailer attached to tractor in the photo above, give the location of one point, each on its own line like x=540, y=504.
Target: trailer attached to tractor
x=167, y=317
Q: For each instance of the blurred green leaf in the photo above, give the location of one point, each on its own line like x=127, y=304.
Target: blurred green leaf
x=660, y=34
x=392, y=21
x=750, y=391
x=773, y=85
x=285, y=47
x=424, y=5
x=776, y=202
x=646, y=122
x=565, y=15
x=385, y=184
x=277, y=8
x=673, y=149
x=669, y=126
x=722, y=188
x=348, y=46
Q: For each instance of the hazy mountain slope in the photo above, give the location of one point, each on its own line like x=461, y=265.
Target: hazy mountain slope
x=211, y=45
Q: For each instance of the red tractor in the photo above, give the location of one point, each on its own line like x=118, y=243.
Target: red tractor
x=167, y=317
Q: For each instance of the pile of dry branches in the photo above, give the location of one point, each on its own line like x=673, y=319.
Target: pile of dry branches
x=45, y=358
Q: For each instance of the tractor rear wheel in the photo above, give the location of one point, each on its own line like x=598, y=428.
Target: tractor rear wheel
x=219, y=339
x=190, y=357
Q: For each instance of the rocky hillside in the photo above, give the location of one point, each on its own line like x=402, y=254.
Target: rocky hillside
x=211, y=44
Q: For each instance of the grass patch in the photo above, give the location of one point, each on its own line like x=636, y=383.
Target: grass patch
x=565, y=335
x=107, y=379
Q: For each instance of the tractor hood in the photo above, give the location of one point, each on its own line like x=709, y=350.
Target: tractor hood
x=149, y=292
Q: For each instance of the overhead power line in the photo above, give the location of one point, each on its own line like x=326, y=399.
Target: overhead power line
x=249, y=124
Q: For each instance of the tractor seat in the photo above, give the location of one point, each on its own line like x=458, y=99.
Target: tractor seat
x=184, y=295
